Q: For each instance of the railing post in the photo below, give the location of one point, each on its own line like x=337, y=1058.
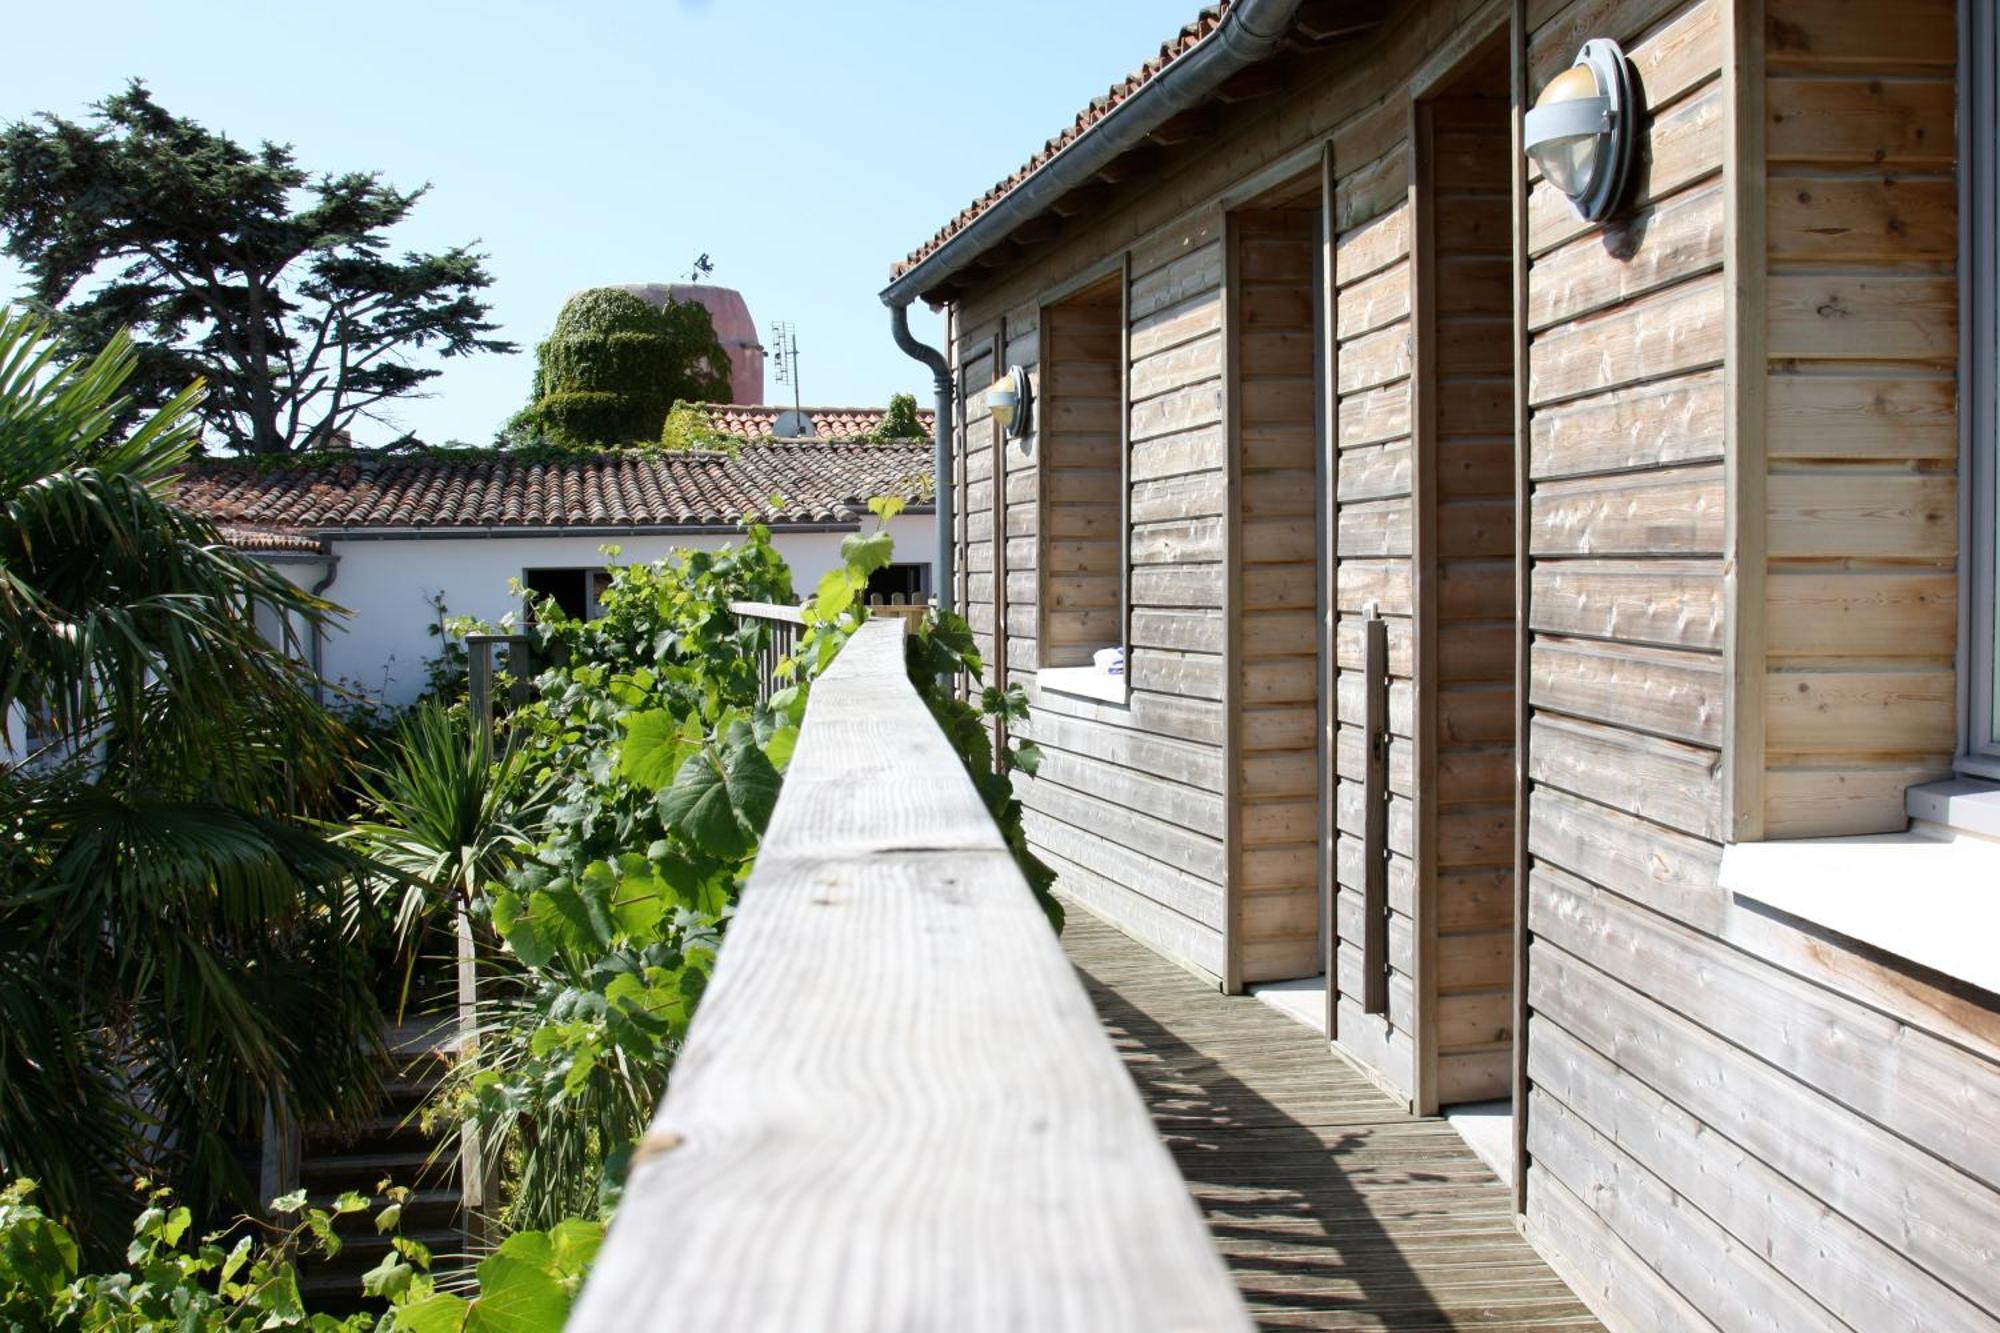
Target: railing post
x=478, y=1171
x=479, y=682
x=278, y=1167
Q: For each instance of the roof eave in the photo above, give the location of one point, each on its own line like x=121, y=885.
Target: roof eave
x=1249, y=32
x=479, y=531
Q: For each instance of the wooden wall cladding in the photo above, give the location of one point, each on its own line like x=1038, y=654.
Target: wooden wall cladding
x=1128, y=804
x=1375, y=495
x=1276, y=700
x=1467, y=362
x=1722, y=1127
x=1080, y=524
x=1731, y=1122
x=1861, y=496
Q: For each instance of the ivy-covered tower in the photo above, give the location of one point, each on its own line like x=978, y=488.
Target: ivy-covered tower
x=734, y=329
x=615, y=363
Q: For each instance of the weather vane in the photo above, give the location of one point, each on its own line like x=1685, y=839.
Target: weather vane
x=702, y=268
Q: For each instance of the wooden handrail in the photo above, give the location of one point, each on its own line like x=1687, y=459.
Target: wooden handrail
x=897, y=1108
x=778, y=611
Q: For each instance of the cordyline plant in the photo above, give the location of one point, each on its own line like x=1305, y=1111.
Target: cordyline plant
x=449, y=812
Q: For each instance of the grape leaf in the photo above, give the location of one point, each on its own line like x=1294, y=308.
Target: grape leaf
x=656, y=744
x=723, y=796
x=517, y=1296
x=438, y=1313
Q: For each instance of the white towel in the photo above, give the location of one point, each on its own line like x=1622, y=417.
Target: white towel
x=1111, y=661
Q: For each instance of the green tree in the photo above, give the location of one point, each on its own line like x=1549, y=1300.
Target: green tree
x=236, y=266
x=178, y=949
x=615, y=365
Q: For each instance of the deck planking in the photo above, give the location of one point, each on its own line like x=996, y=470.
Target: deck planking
x=1334, y=1207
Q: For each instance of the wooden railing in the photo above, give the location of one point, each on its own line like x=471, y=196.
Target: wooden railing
x=896, y=1108
x=784, y=623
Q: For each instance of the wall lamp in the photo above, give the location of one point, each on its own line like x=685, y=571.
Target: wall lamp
x=1012, y=402
x=1583, y=130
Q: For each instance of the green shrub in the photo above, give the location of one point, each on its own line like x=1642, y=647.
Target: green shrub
x=688, y=427
x=663, y=766
x=901, y=421
x=246, y=1276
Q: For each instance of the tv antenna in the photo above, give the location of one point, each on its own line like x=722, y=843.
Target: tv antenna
x=701, y=268
x=785, y=357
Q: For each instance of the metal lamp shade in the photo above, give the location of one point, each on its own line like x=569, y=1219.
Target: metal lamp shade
x=1011, y=402
x=1582, y=130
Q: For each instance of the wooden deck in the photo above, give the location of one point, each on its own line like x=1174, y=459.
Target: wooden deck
x=1333, y=1207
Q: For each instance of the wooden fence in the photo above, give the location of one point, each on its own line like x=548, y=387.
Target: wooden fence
x=897, y=1109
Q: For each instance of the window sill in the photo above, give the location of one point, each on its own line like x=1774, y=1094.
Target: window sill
x=1930, y=896
x=1085, y=682
x=1965, y=805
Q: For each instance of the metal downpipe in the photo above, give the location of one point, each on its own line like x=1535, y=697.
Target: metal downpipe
x=317, y=629
x=941, y=462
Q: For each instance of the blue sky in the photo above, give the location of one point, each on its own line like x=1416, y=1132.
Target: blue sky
x=803, y=144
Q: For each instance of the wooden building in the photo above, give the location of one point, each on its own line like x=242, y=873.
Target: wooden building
x=1513, y=607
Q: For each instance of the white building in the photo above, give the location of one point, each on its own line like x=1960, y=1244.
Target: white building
x=390, y=537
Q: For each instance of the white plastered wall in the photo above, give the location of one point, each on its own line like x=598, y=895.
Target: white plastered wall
x=387, y=586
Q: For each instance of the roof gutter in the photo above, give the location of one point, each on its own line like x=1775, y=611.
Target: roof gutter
x=1249, y=32
x=484, y=532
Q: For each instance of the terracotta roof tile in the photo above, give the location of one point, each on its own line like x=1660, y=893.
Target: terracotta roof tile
x=288, y=505
x=1172, y=49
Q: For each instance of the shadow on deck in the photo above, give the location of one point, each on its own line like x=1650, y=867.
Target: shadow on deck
x=1333, y=1207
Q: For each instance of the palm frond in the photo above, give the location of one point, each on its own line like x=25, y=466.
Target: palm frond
x=179, y=948
x=109, y=592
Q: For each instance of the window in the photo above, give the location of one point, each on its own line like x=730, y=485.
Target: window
x=1980, y=475
x=910, y=582
x=576, y=591
x=1080, y=429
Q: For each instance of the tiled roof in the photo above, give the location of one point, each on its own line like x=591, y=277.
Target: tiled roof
x=814, y=481
x=742, y=421
x=1186, y=40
